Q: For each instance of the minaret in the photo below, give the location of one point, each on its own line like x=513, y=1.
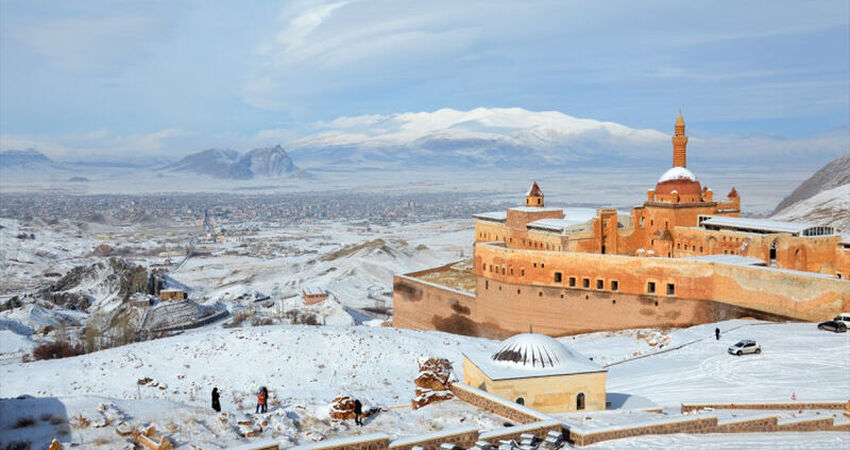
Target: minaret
x=680, y=143
x=534, y=197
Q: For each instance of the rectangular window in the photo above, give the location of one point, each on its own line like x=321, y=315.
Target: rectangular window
x=585, y=282
x=557, y=277
x=650, y=287
x=572, y=281
x=615, y=285
x=671, y=289
x=600, y=284
x=522, y=272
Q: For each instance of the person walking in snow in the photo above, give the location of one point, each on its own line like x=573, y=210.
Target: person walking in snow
x=215, y=403
x=262, y=398
x=358, y=412
x=717, y=334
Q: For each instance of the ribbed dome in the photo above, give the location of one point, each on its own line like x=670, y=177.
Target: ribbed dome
x=532, y=350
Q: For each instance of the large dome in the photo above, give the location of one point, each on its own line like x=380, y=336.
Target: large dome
x=678, y=179
x=532, y=350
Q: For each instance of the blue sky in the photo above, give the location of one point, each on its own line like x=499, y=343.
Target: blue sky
x=177, y=76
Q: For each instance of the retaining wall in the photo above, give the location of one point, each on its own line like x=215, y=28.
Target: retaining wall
x=497, y=405
x=463, y=437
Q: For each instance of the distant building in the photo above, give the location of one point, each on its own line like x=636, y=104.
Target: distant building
x=172, y=295
x=539, y=372
x=682, y=257
x=313, y=295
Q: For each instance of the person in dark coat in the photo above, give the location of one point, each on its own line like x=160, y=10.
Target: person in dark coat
x=263, y=400
x=358, y=411
x=215, y=403
x=717, y=334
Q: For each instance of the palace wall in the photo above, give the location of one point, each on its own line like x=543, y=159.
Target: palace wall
x=801, y=296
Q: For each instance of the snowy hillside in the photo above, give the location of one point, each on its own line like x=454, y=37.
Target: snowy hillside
x=306, y=367
x=830, y=207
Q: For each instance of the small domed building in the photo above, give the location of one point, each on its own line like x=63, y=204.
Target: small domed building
x=538, y=371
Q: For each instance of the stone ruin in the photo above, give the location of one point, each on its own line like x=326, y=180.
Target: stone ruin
x=433, y=382
x=342, y=408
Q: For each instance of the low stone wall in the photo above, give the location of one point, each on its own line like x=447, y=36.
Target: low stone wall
x=807, y=424
x=497, y=405
x=463, y=437
x=799, y=405
x=748, y=425
x=539, y=429
x=373, y=441
x=696, y=425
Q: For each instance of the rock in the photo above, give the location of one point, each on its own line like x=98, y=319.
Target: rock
x=433, y=382
x=342, y=408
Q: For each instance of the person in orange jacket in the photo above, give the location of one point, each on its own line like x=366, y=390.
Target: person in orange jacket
x=262, y=400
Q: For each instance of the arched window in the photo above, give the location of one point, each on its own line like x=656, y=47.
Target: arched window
x=580, y=401
x=520, y=401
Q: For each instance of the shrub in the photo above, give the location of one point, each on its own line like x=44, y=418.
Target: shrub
x=56, y=350
x=18, y=445
x=58, y=419
x=24, y=422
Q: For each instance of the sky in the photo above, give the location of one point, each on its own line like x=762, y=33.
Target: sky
x=167, y=78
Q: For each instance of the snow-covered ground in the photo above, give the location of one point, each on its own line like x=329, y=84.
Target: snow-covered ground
x=305, y=367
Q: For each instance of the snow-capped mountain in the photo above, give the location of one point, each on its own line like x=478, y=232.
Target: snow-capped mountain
x=270, y=162
x=480, y=137
x=518, y=138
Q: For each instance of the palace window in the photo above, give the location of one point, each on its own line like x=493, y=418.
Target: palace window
x=600, y=284
x=615, y=285
x=557, y=277
x=522, y=272
x=572, y=281
x=650, y=287
x=585, y=282
x=671, y=289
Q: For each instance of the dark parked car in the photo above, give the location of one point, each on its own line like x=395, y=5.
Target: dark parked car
x=833, y=325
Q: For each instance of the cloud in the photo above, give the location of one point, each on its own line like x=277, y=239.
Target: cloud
x=98, y=44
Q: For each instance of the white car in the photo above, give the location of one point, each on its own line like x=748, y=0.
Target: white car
x=843, y=317
x=744, y=347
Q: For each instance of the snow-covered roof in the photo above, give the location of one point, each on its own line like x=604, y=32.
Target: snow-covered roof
x=499, y=216
x=313, y=290
x=736, y=260
x=530, y=355
x=559, y=225
x=762, y=225
x=677, y=173
x=535, y=209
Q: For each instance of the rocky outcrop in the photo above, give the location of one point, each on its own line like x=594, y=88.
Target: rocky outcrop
x=269, y=162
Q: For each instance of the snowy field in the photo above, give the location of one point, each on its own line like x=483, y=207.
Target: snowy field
x=306, y=367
